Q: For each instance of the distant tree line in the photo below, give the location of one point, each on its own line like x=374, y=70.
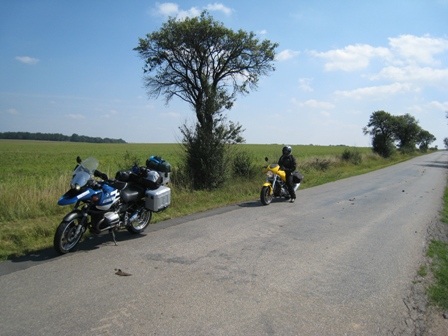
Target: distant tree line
x=390, y=133
x=57, y=137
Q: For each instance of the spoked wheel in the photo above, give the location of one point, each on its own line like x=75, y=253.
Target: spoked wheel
x=139, y=224
x=266, y=195
x=68, y=235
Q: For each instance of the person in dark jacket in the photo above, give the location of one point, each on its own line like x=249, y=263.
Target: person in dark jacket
x=287, y=162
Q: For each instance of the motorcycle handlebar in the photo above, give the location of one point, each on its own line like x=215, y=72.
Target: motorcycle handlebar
x=101, y=175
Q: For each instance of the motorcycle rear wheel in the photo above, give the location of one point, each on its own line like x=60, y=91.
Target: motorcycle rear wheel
x=141, y=222
x=66, y=236
x=266, y=195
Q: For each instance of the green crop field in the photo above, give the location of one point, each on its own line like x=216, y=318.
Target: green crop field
x=36, y=173
x=41, y=158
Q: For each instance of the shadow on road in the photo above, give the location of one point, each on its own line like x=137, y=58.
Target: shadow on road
x=250, y=204
x=257, y=203
x=435, y=164
x=88, y=244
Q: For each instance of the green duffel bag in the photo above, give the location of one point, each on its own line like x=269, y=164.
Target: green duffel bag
x=158, y=164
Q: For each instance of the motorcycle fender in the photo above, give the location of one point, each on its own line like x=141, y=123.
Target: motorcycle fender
x=72, y=215
x=268, y=184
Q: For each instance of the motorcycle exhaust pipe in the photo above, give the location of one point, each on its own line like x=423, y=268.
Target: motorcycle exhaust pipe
x=134, y=216
x=110, y=220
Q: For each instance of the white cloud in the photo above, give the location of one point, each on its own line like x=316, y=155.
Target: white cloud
x=426, y=75
x=192, y=12
x=167, y=9
x=439, y=106
x=219, y=7
x=286, y=54
x=352, y=57
x=110, y=114
x=12, y=111
x=377, y=91
x=75, y=116
x=27, y=59
x=170, y=115
x=404, y=57
x=417, y=50
x=173, y=10
x=305, y=84
x=313, y=104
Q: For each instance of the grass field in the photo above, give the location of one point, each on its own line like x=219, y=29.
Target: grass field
x=35, y=174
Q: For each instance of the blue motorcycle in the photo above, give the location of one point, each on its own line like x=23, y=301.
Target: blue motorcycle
x=101, y=206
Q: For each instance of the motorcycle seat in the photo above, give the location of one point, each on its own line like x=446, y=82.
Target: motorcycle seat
x=132, y=193
x=117, y=184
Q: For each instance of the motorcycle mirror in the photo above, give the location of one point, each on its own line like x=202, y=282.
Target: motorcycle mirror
x=266, y=159
x=78, y=159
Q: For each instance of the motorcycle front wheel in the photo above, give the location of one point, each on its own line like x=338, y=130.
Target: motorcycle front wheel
x=266, y=195
x=68, y=235
x=139, y=224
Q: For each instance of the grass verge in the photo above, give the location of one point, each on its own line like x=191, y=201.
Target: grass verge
x=438, y=252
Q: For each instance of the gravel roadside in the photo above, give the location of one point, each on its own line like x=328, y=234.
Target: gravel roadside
x=425, y=319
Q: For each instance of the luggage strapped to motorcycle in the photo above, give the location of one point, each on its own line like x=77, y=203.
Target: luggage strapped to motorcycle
x=158, y=164
x=297, y=177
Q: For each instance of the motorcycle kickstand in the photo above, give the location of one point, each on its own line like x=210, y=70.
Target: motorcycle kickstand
x=113, y=237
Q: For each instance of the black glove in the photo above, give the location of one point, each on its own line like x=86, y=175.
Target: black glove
x=101, y=175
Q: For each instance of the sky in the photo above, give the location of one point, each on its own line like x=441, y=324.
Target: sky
x=69, y=67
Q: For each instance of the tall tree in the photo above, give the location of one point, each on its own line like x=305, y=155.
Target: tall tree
x=207, y=65
x=406, y=132
x=381, y=128
x=424, y=139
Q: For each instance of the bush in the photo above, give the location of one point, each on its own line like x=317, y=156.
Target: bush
x=407, y=150
x=317, y=164
x=383, y=146
x=244, y=166
x=180, y=179
x=352, y=156
x=206, y=157
x=129, y=160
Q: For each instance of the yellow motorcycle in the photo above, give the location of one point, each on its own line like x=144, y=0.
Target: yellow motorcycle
x=275, y=185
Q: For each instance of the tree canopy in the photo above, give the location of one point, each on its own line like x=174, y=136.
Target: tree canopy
x=203, y=63
x=381, y=128
x=389, y=132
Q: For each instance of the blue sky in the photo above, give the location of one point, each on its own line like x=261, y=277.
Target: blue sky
x=69, y=67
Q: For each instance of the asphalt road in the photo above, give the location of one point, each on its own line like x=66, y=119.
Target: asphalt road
x=339, y=261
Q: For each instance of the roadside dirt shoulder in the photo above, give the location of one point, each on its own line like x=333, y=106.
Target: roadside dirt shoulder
x=430, y=320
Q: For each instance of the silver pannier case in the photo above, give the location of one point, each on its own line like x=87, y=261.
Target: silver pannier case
x=158, y=199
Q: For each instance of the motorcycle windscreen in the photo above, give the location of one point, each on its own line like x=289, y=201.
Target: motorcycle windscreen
x=88, y=165
x=80, y=178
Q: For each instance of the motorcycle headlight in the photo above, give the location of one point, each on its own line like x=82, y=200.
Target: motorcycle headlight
x=269, y=173
x=75, y=186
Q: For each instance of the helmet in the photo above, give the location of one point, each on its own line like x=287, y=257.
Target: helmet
x=287, y=150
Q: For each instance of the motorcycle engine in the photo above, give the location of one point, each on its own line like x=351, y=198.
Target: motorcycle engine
x=110, y=219
x=277, y=189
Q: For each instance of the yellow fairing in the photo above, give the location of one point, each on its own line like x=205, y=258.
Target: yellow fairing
x=275, y=168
